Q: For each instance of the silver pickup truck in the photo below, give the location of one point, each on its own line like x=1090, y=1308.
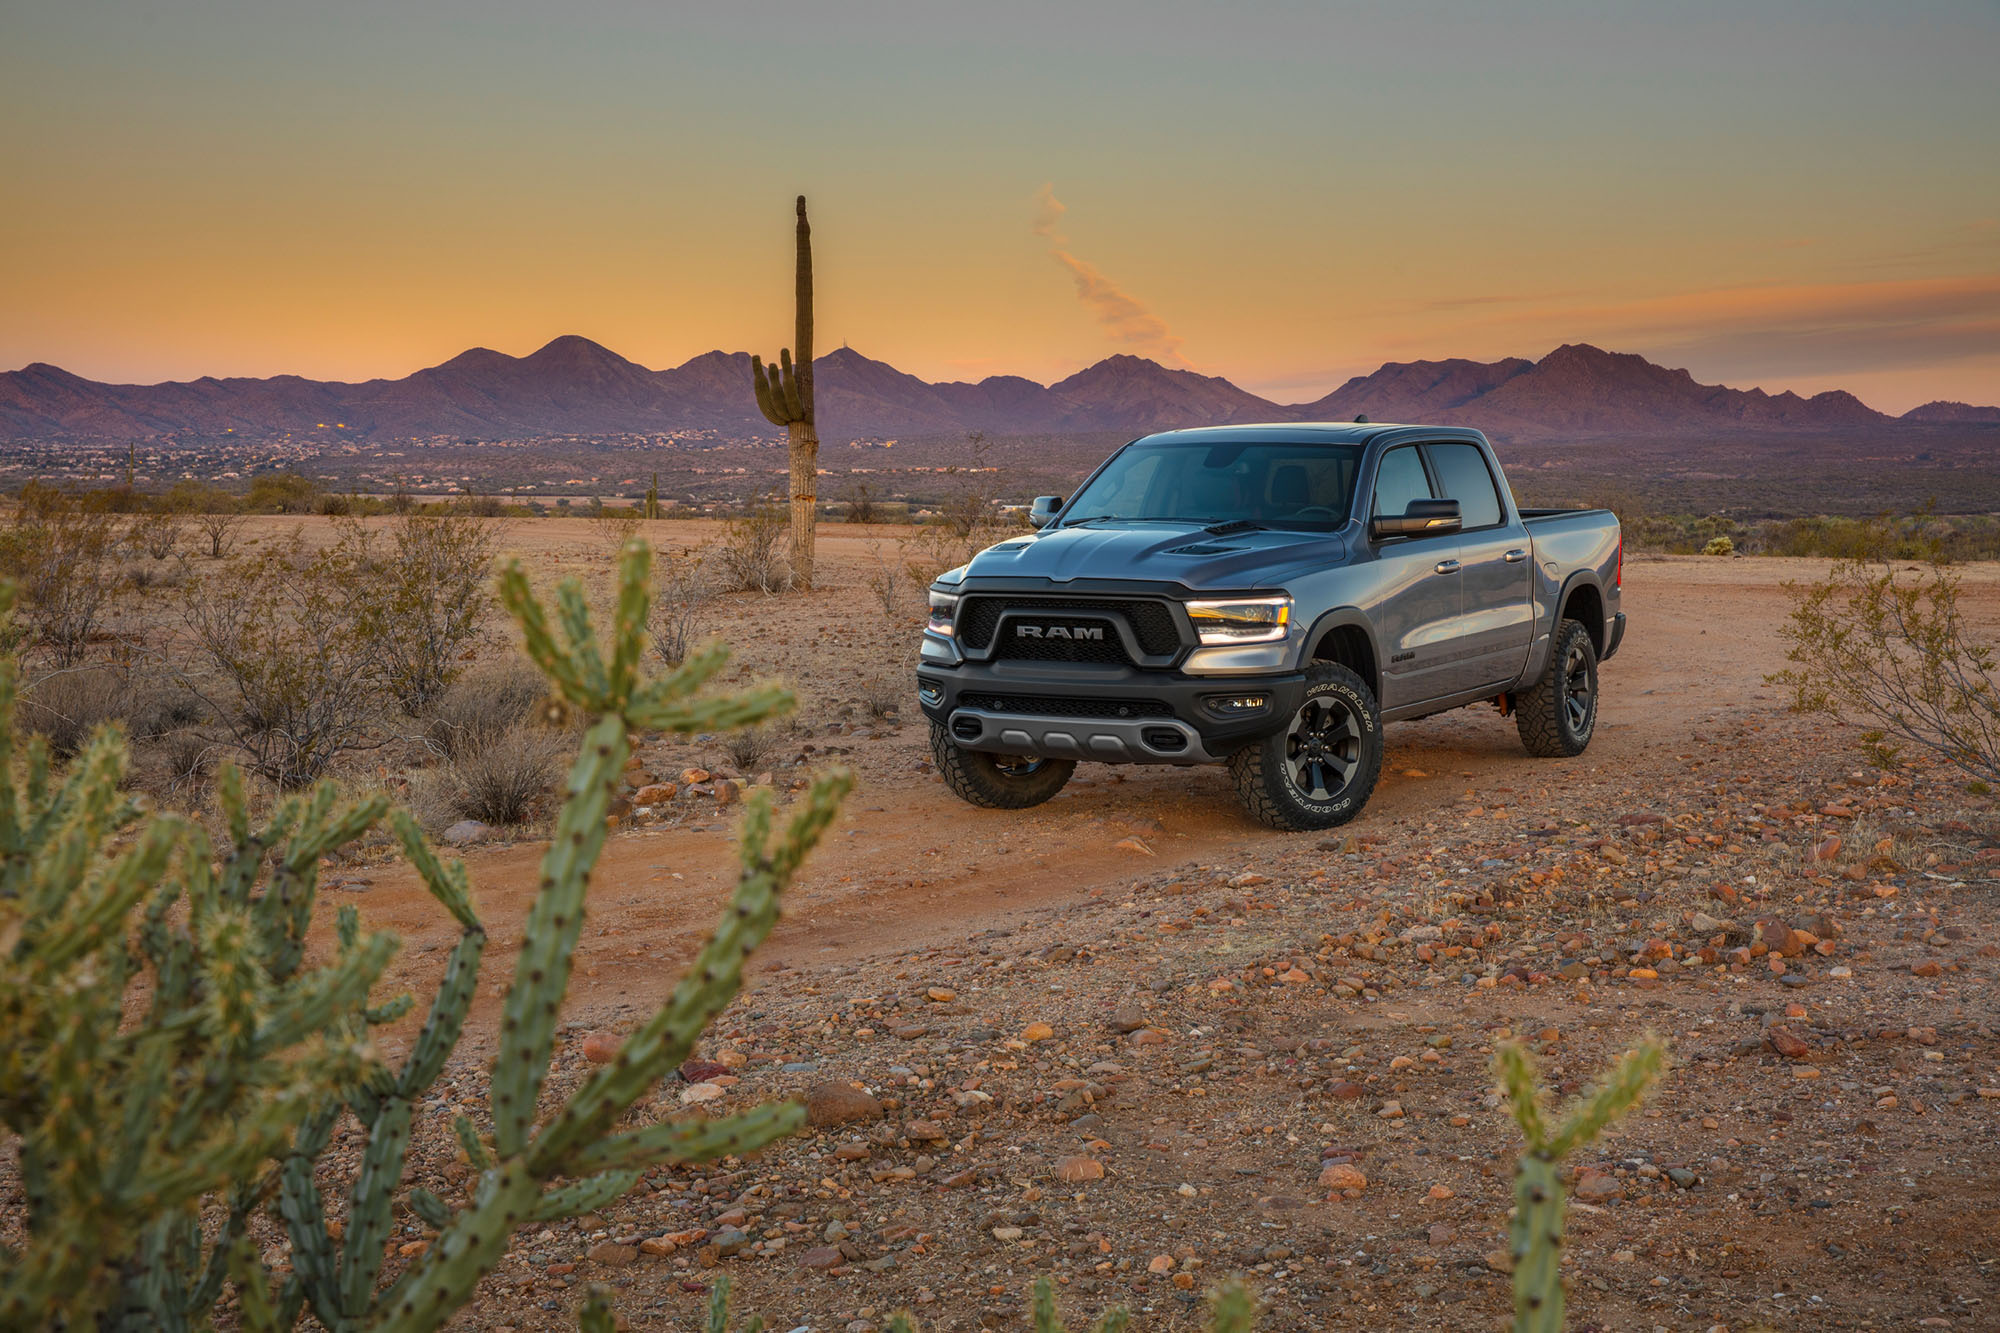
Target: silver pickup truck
x=1266, y=597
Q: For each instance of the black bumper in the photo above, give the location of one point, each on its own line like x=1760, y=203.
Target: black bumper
x=1100, y=712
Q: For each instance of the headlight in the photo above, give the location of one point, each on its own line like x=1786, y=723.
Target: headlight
x=944, y=605
x=1259, y=620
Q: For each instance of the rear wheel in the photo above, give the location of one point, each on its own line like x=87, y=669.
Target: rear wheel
x=1557, y=715
x=1319, y=771
x=997, y=781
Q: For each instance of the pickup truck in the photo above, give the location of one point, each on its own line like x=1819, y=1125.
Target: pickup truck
x=1266, y=597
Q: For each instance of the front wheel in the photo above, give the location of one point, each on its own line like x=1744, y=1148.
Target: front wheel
x=1557, y=715
x=996, y=781
x=1319, y=771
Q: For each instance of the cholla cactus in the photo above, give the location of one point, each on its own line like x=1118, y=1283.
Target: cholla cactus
x=785, y=397
x=1537, y=1233
x=578, y=1158
x=124, y=1125
x=242, y=1062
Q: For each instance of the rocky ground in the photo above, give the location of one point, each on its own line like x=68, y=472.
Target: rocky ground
x=1129, y=1041
x=1184, y=1049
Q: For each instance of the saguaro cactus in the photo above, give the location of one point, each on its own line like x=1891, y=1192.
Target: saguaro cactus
x=785, y=397
x=652, y=509
x=1536, y=1235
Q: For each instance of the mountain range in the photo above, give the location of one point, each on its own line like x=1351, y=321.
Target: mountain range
x=574, y=386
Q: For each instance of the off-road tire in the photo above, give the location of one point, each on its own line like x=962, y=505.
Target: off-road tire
x=1554, y=719
x=982, y=779
x=1266, y=770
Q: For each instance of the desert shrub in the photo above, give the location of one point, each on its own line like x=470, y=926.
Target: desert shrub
x=187, y=759
x=687, y=586
x=506, y=778
x=861, y=506
x=883, y=696
x=282, y=493
x=334, y=506
x=484, y=704
x=61, y=551
x=66, y=706
x=171, y=1074
x=219, y=528
x=749, y=557
x=290, y=681
x=1719, y=546
x=158, y=533
x=750, y=749
x=427, y=601
x=1896, y=652
x=889, y=582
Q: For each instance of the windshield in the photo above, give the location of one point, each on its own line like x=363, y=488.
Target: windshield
x=1277, y=485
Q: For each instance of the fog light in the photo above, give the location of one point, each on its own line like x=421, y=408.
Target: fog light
x=930, y=695
x=1238, y=705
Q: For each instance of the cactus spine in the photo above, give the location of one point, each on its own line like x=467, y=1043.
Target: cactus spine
x=785, y=397
x=1536, y=1235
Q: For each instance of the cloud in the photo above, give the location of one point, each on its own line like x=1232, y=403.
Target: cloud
x=1124, y=316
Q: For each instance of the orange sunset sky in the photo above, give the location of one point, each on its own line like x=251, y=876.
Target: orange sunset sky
x=1800, y=194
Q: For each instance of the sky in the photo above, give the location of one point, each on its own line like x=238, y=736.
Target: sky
x=1796, y=194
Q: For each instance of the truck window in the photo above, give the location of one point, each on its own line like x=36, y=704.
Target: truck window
x=1461, y=471
x=1399, y=479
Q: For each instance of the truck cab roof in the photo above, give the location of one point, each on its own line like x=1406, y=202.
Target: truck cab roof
x=1310, y=432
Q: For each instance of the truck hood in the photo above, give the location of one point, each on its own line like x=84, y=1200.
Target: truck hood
x=1160, y=552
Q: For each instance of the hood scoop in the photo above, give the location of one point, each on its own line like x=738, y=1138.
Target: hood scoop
x=1011, y=546
x=1203, y=548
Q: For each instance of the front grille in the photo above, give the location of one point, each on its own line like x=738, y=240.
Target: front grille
x=1151, y=621
x=1043, y=706
x=1109, y=649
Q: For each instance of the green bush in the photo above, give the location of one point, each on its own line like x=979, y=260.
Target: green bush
x=1719, y=546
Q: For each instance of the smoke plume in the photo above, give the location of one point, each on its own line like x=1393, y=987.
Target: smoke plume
x=1123, y=315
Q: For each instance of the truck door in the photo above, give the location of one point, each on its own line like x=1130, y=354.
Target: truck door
x=1415, y=589
x=1496, y=613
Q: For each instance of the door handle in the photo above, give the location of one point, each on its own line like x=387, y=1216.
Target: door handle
x=1515, y=556
x=1447, y=566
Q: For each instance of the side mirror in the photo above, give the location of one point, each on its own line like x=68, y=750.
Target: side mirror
x=1043, y=509
x=1424, y=518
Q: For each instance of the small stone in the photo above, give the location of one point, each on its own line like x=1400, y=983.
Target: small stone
x=467, y=830
x=1006, y=1234
x=1037, y=1032
x=1160, y=1263
x=1928, y=968
x=941, y=994
x=696, y=1093
x=1599, y=1188
x=1340, y=1177
x=839, y=1103
x=602, y=1047
x=692, y=776
x=1787, y=1043
x=820, y=1256
x=611, y=1254
x=1127, y=1018
x=1074, y=1170
x=1441, y=1192
x=658, y=793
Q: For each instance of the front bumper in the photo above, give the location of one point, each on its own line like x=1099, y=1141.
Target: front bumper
x=1111, y=714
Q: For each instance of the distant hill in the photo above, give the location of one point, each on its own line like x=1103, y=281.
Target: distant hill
x=1943, y=412
x=574, y=386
